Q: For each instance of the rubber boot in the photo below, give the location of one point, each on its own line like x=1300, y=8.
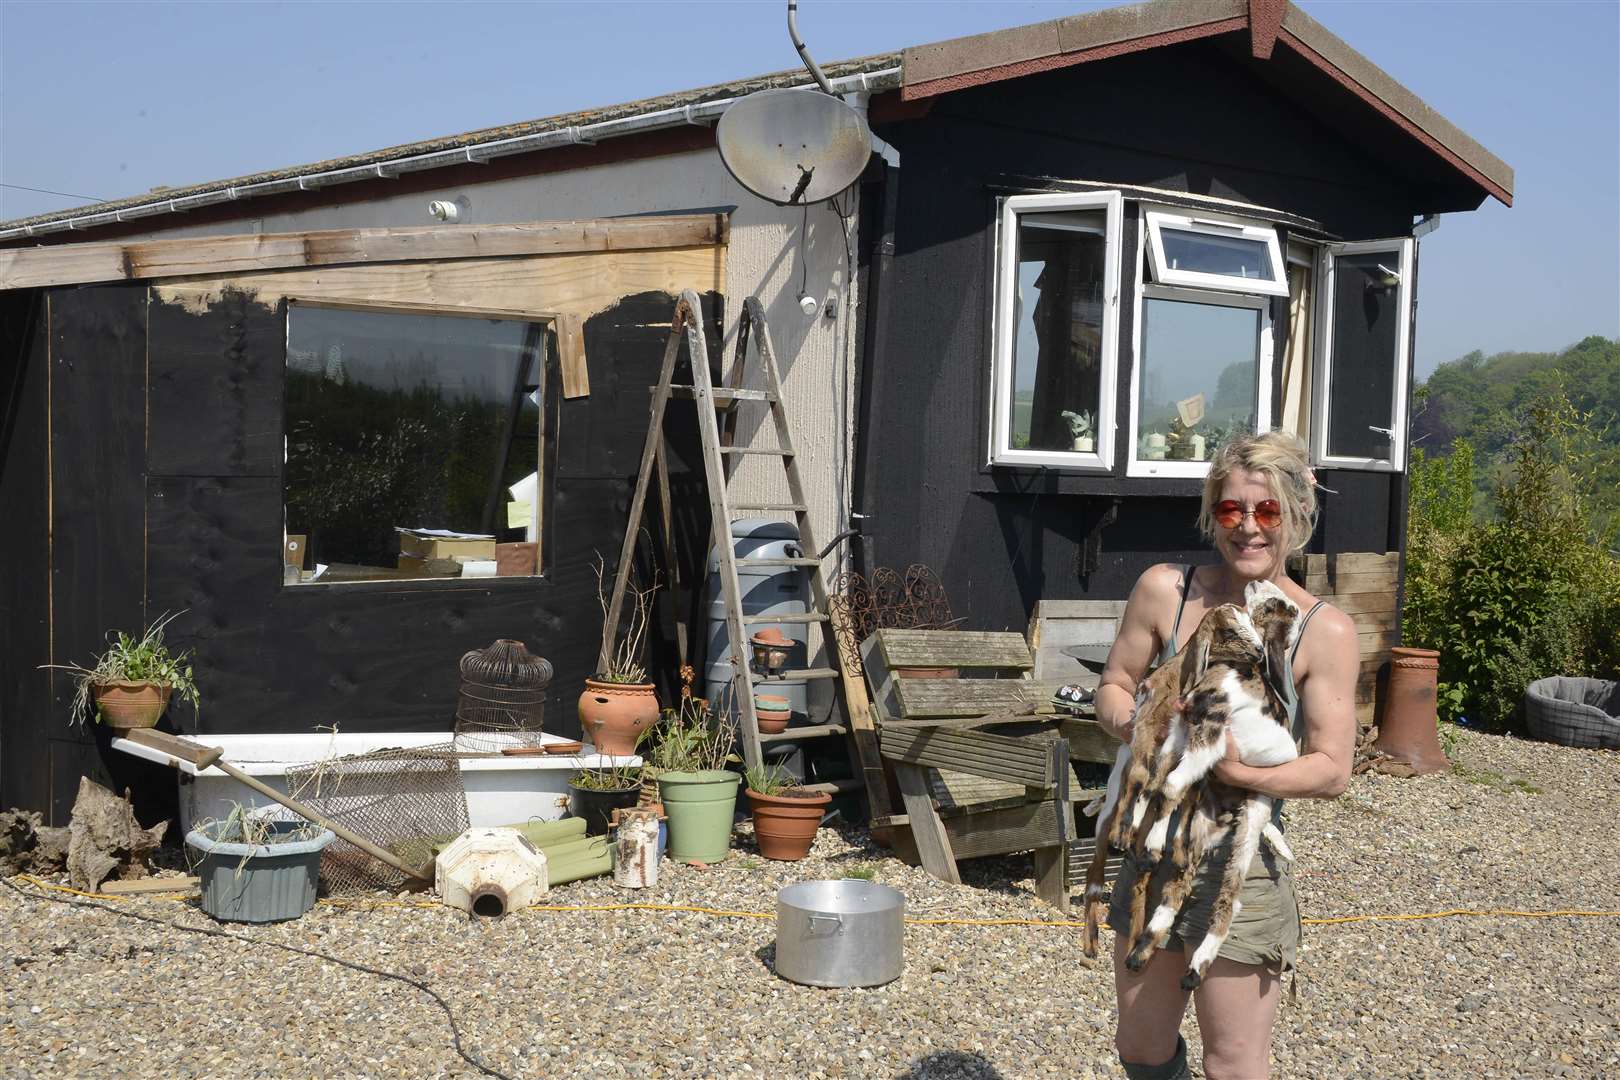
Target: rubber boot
x=1174, y=1069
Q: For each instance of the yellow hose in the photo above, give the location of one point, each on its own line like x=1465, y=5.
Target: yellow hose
x=1332, y=920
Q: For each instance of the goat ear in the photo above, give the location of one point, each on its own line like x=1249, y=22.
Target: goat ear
x=1278, y=631
x=1194, y=662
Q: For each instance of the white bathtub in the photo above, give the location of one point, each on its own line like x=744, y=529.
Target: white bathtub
x=500, y=790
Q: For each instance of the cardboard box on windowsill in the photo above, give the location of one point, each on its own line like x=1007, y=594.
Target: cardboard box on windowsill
x=439, y=547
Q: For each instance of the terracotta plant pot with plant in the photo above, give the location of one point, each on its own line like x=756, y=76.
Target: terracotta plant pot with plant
x=786, y=818
x=619, y=705
x=131, y=683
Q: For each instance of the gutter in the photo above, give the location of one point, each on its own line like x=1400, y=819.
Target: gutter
x=475, y=153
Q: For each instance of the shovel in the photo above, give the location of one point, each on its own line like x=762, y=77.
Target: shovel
x=202, y=757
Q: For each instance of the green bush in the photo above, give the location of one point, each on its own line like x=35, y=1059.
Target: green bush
x=1531, y=592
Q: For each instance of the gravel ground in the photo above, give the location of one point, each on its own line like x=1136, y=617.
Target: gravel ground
x=1519, y=825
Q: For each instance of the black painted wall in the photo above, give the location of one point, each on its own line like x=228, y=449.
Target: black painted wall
x=164, y=450
x=1193, y=118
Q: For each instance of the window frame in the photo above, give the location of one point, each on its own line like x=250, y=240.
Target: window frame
x=546, y=362
x=1265, y=348
x=999, y=451
x=1322, y=354
x=1155, y=219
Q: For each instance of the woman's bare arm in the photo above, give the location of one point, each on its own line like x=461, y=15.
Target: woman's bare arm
x=1135, y=647
x=1328, y=697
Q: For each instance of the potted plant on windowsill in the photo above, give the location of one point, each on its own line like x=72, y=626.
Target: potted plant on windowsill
x=1082, y=427
x=786, y=817
x=619, y=704
x=699, y=793
x=131, y=683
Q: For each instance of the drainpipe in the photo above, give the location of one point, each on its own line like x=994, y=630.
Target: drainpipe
x=878, y=306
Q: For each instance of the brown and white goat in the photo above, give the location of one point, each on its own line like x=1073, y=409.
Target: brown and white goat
x=1159, y=781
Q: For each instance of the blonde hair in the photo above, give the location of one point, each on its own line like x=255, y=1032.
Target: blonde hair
x=1281, y=458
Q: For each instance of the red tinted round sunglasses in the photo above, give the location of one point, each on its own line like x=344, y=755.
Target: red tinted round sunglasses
x=1229, y=514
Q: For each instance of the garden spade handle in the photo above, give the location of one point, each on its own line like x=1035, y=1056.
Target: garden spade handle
x=204, y=756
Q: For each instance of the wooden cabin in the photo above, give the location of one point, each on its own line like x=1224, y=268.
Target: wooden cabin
x=1083, y=252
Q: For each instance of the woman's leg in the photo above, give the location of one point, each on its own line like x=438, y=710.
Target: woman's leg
x=1236, y=1006
x=1151, y=1005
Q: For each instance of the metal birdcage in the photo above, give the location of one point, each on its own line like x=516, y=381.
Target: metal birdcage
x=503, y=698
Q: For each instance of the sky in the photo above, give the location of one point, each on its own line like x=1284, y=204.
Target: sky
x=111, y=99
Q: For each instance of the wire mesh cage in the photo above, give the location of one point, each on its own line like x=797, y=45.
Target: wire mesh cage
x=891, y=600
x=503, y=698
x=403, y=800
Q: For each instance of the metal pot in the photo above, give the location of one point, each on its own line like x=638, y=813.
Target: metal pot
x=840, y=933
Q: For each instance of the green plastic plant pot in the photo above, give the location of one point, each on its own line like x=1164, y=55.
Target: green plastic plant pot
x=700, y=806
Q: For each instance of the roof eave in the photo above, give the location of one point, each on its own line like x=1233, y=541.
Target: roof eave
x=961, y=63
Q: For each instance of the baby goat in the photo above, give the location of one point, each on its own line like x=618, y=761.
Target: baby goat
x=1221, y=680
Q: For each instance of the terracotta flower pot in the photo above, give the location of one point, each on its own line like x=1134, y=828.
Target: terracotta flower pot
x=613, y=715
x=129, y=705
x=785, y=825
x=773, y=713
x=1408, y=730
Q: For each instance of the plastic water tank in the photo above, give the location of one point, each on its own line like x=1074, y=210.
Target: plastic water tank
x=766, y=590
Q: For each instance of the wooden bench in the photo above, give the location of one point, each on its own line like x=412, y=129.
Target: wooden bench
x=982, y=763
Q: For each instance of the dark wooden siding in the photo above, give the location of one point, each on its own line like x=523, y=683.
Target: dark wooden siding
x=1189, y=118
x=183, y=514
x=26, y=716
x=97, y=422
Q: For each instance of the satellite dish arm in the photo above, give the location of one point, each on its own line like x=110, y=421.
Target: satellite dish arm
x=804, y=53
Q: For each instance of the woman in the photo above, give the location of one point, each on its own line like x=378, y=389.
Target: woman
x=1259, y=506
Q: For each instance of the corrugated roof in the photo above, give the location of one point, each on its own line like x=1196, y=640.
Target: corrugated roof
x=159, y=199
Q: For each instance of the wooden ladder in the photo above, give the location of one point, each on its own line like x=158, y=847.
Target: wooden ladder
x=715, y=402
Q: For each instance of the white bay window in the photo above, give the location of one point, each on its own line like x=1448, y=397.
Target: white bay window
x=1202, y=361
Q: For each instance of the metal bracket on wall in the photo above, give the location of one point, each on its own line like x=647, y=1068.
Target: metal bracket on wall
x=1088, y=556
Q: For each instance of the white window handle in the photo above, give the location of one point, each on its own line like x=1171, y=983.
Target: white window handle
x=1381, y=430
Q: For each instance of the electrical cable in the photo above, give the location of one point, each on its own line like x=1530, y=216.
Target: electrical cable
x=455, y=1031
x=48, y=191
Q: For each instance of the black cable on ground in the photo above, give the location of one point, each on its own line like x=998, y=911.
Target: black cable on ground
x=455, y=1032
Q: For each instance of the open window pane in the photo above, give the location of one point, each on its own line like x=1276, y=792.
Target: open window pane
x=1361, y=391
x=1207, y=253
x=1056, y=320
x=400, y=421
x=1057, y=339
x=1365, y=311
x=1199, y=379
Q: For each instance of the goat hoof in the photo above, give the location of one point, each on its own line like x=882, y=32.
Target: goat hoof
x=1191, y=981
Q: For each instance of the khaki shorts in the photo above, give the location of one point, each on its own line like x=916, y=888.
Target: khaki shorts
x=1265, y=931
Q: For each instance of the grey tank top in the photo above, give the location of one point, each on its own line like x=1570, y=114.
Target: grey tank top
x=1283, y=681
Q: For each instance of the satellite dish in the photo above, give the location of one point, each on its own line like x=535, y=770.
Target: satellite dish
x=793, y=146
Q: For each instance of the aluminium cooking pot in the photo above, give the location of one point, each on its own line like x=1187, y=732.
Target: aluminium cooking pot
x=839, y=933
